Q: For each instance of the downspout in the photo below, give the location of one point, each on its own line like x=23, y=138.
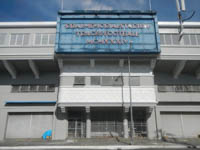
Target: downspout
x=54, y=113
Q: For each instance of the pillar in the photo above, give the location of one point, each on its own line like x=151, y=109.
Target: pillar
x=125, y=122
x=60, y=128
x=151, y=123
x=88, y=123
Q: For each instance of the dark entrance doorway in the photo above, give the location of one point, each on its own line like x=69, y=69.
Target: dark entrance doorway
x=76, y=124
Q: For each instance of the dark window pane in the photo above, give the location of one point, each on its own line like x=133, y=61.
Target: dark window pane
x=79, y=80
x=24, y=88
x=51, y=88
x=42, y=88
x=15, y=88
x=95, y=80
x=33, y=88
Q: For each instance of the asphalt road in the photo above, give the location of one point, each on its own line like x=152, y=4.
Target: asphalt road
x=116, y=149
x=113, y=149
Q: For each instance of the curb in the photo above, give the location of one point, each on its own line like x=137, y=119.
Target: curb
x=100, y=147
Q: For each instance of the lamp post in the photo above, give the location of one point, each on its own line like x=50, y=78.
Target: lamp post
x=130, y=95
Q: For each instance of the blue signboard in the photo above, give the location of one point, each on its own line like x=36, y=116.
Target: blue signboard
x=98, y=32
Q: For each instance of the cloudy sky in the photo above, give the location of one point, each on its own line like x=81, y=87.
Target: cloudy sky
x=46, y=10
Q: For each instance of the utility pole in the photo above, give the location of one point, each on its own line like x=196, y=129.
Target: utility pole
x=130, y=96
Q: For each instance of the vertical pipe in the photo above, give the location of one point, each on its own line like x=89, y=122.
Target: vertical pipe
x=130, y=96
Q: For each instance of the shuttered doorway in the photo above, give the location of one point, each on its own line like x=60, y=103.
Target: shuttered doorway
x=28, y=125
x=181, y=124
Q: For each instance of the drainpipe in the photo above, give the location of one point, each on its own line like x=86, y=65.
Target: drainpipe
x=54, y=113
x=130, y=96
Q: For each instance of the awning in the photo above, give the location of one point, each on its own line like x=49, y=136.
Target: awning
x=106, y=96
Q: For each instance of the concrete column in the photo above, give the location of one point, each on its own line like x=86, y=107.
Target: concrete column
x=3, y=124
x=151, y=123
x=125, y=122
x=61, y=125
x=88, y=123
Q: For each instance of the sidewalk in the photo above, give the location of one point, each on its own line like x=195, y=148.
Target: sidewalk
x=105, y=143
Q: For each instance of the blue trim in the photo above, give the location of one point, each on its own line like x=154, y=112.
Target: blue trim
x=30, y=102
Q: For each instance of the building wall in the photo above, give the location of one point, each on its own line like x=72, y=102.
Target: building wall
x=168, y=102
x=6, y=95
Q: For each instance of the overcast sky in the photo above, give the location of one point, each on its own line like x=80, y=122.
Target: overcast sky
x=46, y=10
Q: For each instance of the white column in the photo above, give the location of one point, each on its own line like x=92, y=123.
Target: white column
x=125, y=122
x=88, y=123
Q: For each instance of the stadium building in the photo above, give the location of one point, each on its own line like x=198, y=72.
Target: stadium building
x=79, y=76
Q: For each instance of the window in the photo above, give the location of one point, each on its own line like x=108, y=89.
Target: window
x=24, y=88
x=178, y=88
x=168, y=39
x=193, y=39
x=117, y=81
x=42, y=39
x=19, y=39
x=3, y=38
x=186, y=39
x=50, y=88
x=79, y=80
x=162, y=40
x=15, y=88
x=95, y=80
x=175, y=39
x=32, y=88
x=198, y=39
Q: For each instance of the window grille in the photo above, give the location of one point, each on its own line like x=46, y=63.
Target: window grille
x=42, y=88
x=19, y=39
x=95, y=80
x=24, y=88
x=178, y=88
x=175, y=39
x=193, y=39
x=33, y=88
x=79, y=80
x=198, y=39
x=42, y=39
x=168, y=39
x=15, y=88
x=186, y=39
x=50, y=88
x=162, y=40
